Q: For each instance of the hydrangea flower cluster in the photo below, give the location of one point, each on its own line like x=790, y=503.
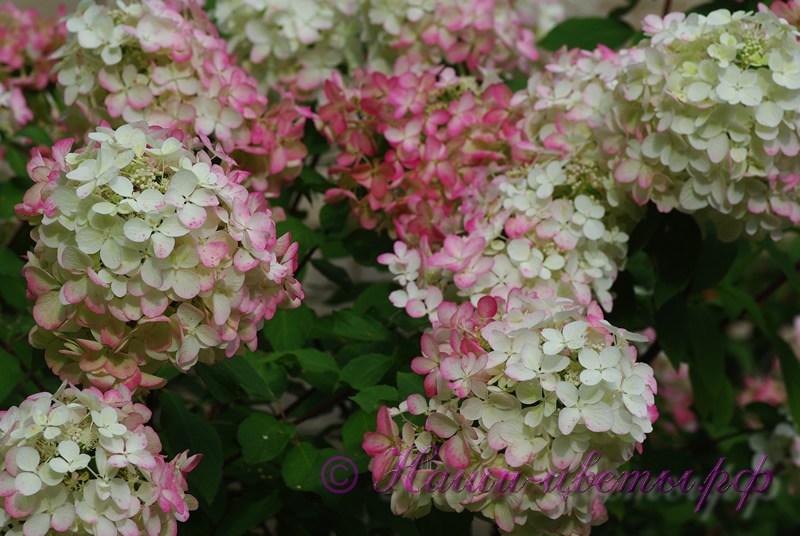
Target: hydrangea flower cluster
x=782, y=442
x=163, y=62
x=302, y=43
x=27, y=40
x=519, y=384
x=721, y=98
x=415, y=145
x=147, y=254
x=676, y=393
x=547, y=226
x=83, y=461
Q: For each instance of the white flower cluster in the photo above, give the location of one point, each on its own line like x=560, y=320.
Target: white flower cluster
x=719, y=128
x=300, y=43
x=84, y=462
x=519, y=384
x=149, y=254
x=547, y=227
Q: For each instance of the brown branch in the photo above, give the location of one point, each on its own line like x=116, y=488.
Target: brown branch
x=323, y=407
x=667, y=8
x=305, y=259
x=302, y=398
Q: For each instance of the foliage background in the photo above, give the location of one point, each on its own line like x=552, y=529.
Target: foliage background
x=267, y=422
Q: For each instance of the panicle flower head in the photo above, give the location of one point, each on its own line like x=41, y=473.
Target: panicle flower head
x=83, y=461
x=517, y=384
x=27, y=40
x=302, y=43
x=163, y=62
x=148, y=254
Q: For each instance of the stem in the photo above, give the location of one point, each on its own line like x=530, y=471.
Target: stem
x=302, y=398
x=305, y=259
x=775, y=285
x=323, y=407
x=667, y=8
x=212, y=411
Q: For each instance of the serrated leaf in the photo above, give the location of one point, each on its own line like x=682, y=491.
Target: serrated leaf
x=186, y=431
x=263, y=437
x=275, y=378
x=334, y=274
x=371, y=398
x=587, y=33
x=409, y=384
x=227, y=379
x=302, y=467
x=358, y=327
x=670, y=325
x=289, y=328
x=366, y=370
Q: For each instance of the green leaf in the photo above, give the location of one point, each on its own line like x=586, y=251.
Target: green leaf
x=17, y=161
x=517, y=84
x=300, y=234
x=353, y=436
x=14, y=287
x=373, y=397
x=333, y=273
x=302, y=467
x=35, y=133
x=318, y=368
x=409, y=384
x=365, y=246
x=707, y=347
x=10, y=374
x=186, y=431
x=276, y=379
x=670, y=325
x=376, y=298
x=333, y=216
x=289, y=328
x=714, y=261
x=313, y=181
x=314, y=360
x=587, y=33
x=784, y=262
x=675, y=248
x=10, y=195
x=249, y=512
x=226, y=379
x=263, y=437
x=366, y=370
x=356, y=327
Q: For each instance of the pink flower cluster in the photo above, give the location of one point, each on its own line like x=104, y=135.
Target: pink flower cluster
x=789, y=10
x=416, y=145
x=85, y=462
x=676, y=393
x=518, y=384
x=148, y=254
x=163, y=62
x=27, y=40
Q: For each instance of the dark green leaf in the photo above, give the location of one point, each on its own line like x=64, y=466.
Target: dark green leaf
x=675, y=247
x=376, y=298
x=276, y=379
x=313, y=181
x=300, y=234
x=35, y=133
x=670, y=325
x=707, y=347
x=17, y=161
x=10, y=374
x=13, y=289
x=10, y=194
x=784, y=262
x=409, y=384
x=365, y=246
x=587, y=33
x=263, y=437
x=289, y=328
x=354, y=428
x=186, y=431
x=360, y=328
x=332, y=273
x=333, y=216
x=248, y=512
x=366, y=370
x=226, y=379
x=302, y=467
x=715, y=260
x=373, y=397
